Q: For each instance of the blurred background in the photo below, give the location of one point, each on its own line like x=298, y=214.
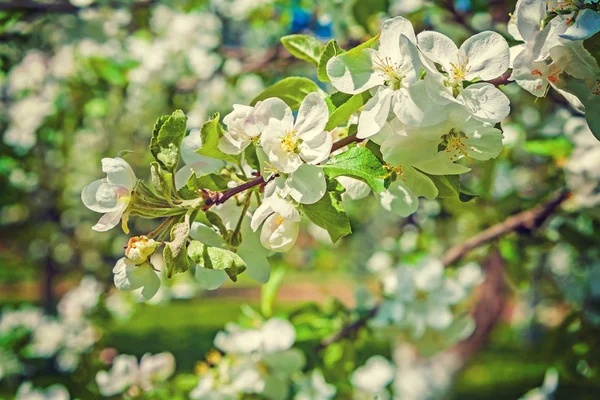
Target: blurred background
x=82, y=79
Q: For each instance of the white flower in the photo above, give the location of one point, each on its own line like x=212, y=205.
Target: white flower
x=125, y=372
x=77, y=302
x=142, y=279
x=194, y=162
x=391, y=70
x=355, y=188
x=281, y=223
x=374, y=376
x=420, y=297
x=111, y=195
x=402, y=196
x=275, y=335
x=314, y=387
x=288, y=144
x=54, y=392
x=28, y=318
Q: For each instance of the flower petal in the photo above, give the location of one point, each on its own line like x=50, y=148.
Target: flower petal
x=441, y=165
x=118, y=172
x=429, y=275
x=317, y=149
x=353, y=72
x=274, y=109
x=484, y=143
x=312, y=117
x=485, y=102
x=399, y=199
x=279, y=234
x=389, y=40
x=110, y=219
x=439, y=48
x=89, y=199
x=586, y=25
x=307, y=184
x=409, y=148
x=487, y=54
x=375, y=113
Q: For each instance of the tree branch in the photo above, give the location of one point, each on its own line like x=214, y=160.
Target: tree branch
x=491, y=301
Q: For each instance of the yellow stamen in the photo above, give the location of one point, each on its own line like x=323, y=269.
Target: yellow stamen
x=289, y=143
x=455, y=144
x=390, y=71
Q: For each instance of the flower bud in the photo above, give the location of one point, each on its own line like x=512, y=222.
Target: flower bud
x=139, y=248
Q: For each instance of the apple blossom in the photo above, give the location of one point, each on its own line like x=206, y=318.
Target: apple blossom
x=314, y=387
x=110, y=195
x=372, y=378
x=142, y=279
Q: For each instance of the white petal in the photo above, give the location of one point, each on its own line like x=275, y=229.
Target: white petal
x=118, y=172
x=438, y=48
x=285, y=209
x=229, y=145
x=278, y=335
x=530, y=75
x=353, y=72
x=261, y=213
x=210, y=279
x=485, y=102
x=529, y=15
x=484, y=143
x=429, y=275
x=488, y=55
x=375, y=113
x=355, y=188
x=312, y=117
x=88, y=197
x=439, y=317
x=110, y=219
x=399, y=199
x=279, y=234
x=586, y=25
x=389, y=40
x=441, y=164
x=414, y=106
x=409, y=148
x=129, y=276
x=307, y=184
x=274, y=109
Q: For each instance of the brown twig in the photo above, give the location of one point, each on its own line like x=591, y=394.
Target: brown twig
x=490, y=305
x=344, y=142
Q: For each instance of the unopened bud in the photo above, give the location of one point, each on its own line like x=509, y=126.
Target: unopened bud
x=139, y=248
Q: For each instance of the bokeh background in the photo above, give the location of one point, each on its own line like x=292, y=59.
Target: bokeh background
x=85, y=79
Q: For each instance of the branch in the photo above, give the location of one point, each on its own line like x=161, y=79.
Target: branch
x=490, y=305
x=345, y=141
x=528, y=220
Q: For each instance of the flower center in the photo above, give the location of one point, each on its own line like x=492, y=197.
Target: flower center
x=459, y=70
x=395, y=171
x=390, y=71
x=279, y=220
x=289, y=142
x=421, y=295
x=596, y=88
x=455, y=144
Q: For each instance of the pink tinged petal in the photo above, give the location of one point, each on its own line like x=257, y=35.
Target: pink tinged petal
x=399, y=199
x=274, y=109
x=429, y=276
x=375, y=113
x=441, y=164
x=391, y=30
x=307, y=184
x=485, y=102
x=118, y=172
x=409, y=148
x=487, y=54
x=210, y=279
x=257, y=264
x=353, y=72
x=438, y=48
x=110, y=219
x=279, y=234
x=419, y=183
x=317, y=149
x=484, y=143
x=439, y=317
x=312, y=117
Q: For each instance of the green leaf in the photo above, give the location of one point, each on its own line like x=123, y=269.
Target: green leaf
x=291, y=90
x=332, y=49
x=304, y=47
x=175, y=254
x=216, y=258
x=210, y=134
x=166, y=139
x=329, y=214
x=268, y=293
x=359, y=163
x=214, y=182
x=251, y=157
x=556, y=147
x=593, y=46
x=449, y=188
x=341, y=114
x=161, y=180
x=364, y=12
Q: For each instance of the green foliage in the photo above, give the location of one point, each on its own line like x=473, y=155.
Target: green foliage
x=329, y=214
x=365, y=11
x=449, y=189
x=304, y=47
x=195, y=184
x=216, y=258
x=592, y=45
x=174, y=253
x=359, y=163
x=344, y=110
x=291, y=90
x=332, y=49
x=210, y=134
x=555, y=147
x=161, y=180
x=166, y=139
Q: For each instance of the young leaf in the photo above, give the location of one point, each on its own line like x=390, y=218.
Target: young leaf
x=291, y=90
x=359, y=163
x=341, y=114
x=166, y=139
x=175, y=254
x=214, y=182
x=329, y=214
x=332, y=49
x=555, y=147
x=304, y=47
x=161, y=180
x=210, y=134
x=216, y=258
x=449, y=188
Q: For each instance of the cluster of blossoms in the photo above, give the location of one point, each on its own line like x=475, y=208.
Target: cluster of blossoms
x=65, y=338
x=553, y=53
x=258, y=361
x=423, y=300
x=127, y=375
